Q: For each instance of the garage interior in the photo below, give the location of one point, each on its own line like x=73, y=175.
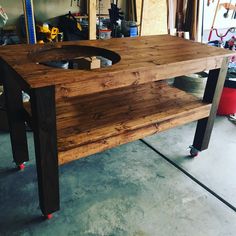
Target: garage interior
x=145, y=177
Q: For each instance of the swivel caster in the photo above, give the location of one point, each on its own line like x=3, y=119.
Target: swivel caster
x=21, y=166
x=48, y=217
x=193, y=151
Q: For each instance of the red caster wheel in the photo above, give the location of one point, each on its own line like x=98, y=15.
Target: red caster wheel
x=193, y=151
x=21, y=166
x=48, y=217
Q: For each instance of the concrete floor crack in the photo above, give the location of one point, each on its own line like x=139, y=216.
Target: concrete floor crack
x=190, y=176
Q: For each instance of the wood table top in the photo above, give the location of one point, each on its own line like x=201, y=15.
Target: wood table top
x=142, y=59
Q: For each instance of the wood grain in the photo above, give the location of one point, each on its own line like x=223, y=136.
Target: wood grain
x=92, y=19
x=143, y=59
x=77, y=113
x=45, y=140
x=14, y=106
x=139, y=13
x=93, y=123
x=153, y=17
x=212, y=94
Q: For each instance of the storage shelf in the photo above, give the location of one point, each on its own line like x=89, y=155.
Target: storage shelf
x=93, y=123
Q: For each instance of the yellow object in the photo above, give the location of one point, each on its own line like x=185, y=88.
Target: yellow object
x=79, y=26
x=54, y=32
x=51, y=34
x=45, y=27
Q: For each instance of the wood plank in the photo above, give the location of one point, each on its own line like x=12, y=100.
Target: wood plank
x=45, y=139
x=89, y=120
x=129, y=136
x=200, y=22
x=14, y=106
x=100, y=108
x=154, y=17
x=212, y=94
x=134, y=77
x=93, y=123
x=153, y=55
x=92, y=19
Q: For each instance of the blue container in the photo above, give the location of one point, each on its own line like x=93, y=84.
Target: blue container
x=133, y=30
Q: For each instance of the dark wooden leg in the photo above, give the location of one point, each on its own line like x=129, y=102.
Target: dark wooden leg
x=45, y=139
x=212, y=95
x=14, y=106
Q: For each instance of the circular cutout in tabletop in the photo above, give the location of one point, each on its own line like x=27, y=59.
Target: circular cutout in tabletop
x=68, y=55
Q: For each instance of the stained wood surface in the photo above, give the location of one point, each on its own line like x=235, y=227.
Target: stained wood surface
x=143, y=59
x=16, y=122
x=77, y=113
x=93, y=123
x=212, y=94
x=46, y=153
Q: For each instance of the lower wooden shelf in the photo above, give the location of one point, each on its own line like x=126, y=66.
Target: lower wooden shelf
x=93, y=123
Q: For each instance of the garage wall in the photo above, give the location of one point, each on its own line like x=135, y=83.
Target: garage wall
x=44, y=9
x=13, y=10
x=220, y=22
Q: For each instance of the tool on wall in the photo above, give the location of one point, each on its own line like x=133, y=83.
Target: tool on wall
x=71, y=16
x=71, y=2
x=3, y=17
x=234, y=13
x=227, y=6
x=78, y=3
x=213, y=23
x=209, y=2
x=226, y=14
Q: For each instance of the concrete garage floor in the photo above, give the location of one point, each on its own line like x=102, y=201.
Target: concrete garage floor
x=129, y=190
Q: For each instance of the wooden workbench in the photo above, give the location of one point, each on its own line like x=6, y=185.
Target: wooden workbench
x=76, y=113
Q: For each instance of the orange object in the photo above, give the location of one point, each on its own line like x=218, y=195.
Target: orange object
x=228, y=6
